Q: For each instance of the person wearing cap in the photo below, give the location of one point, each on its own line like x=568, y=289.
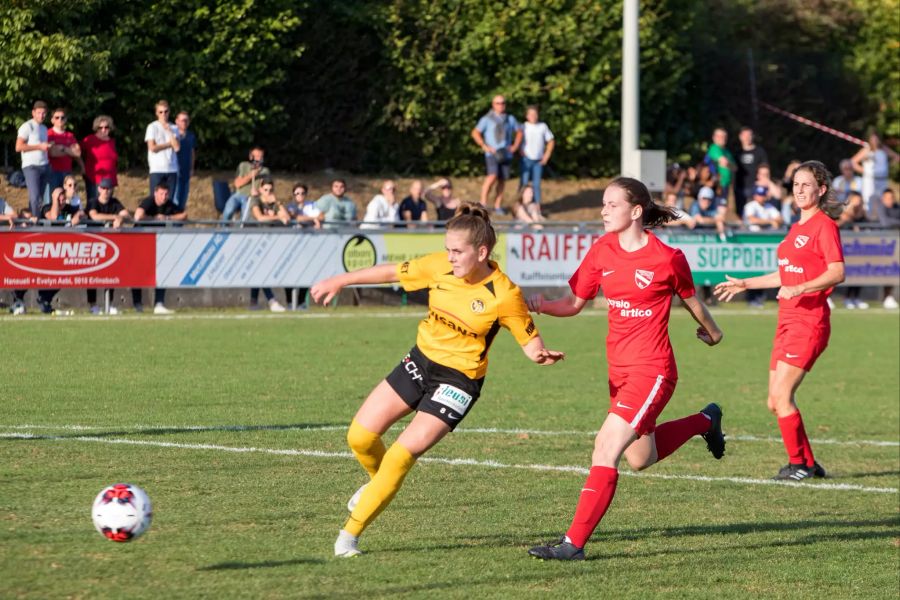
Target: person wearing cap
x=759, y=215
x=709, y=211
x=32, y=142
x=109, y=210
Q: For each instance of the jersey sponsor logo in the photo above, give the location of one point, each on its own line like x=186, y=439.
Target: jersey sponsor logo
x=625, y=309
x=800, y=241
x=454, y=326
x=788, y=267
x=453, y=398
x=608, y=273
x=642, y=278
x=477, y=306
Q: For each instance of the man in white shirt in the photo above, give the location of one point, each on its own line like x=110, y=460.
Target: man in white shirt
x=382, y=208
x=162, y=148
x=758, y=215
x=536, y=150
x=31, y=141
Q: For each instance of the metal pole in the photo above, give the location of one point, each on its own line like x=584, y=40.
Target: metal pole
x=630, y=84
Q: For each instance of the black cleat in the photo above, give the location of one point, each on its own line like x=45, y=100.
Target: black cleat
x=791, y=472
x=715, y=439
x=818, y=471
x=561, y=550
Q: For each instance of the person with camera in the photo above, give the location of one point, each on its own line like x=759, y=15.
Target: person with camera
x=499, y=135
x=246, y=183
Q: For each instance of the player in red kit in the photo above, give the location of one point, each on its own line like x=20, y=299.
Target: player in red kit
x=638, y=275
x=810, y=264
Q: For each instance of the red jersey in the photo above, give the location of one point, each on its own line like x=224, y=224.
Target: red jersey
x=100, y=158
x=638, y=287
x=803, y=255
x=63, y=163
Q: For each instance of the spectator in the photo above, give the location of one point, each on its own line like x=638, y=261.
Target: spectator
x=872, y=161
x=186, y=156
x=64, y=149
x=764, y=178
x=440, y=193
x=888, y=211
x=498, y=134
x=246, y=183
x=720, y=158
x=676, y=184
x=749, y=159
x=536, y=150
x=413, y=207
x=682, y=219
x=32, y=142
x=70, y=187
x=105, y=208
x=847, y=182
x=301, y=209
x=162, y=149
x=158, y=207
x=854, y=213
x=7, y=213
x=336, y=207
x=527, y=210
x=758, y=215
x=709, y=211
x=382, y=208
x=265, y=208
x=60, y=210
x=100, y=156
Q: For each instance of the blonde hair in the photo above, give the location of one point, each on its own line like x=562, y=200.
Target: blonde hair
x=98, y=121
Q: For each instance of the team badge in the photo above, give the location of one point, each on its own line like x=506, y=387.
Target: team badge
x=477, y=306
x=800, y=241
x=642, y=278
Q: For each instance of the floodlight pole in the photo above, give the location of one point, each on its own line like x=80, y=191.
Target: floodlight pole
x=631, y=78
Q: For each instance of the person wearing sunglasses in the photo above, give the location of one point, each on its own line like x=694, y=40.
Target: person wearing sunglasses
x=64, y=151
x=100, y=156
x=162, y=148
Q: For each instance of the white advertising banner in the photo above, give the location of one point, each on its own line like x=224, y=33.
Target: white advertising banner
x=545, y=259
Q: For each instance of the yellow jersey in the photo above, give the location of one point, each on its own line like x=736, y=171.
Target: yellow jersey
x=463, y=318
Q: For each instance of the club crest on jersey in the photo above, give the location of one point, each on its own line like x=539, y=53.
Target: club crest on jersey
x=800, y=241
x=642, y=278
x=477, y=306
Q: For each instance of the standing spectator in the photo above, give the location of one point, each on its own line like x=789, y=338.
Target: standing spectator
x=873, y=163
x=847, y=182
x=162, y=149
x=719, y=157
x=186, y=156
x=158, y=207
x=107, y=209
x=100, y=156
x=709, y=211
x=32, y=142
x=302, y=210
x=413, y=207
x=265, y=208
x=536, y=150
x=749, y=159
x=382, y=208
x=63, y=151
x=444, y=200
x=246, y=183
x=336, y=206
x=498, y=134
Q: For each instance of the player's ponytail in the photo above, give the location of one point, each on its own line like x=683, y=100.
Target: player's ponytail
x=828, y=202
x=637, y=193
x=476, y=220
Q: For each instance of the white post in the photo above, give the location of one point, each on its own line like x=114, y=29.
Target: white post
x=631, y=78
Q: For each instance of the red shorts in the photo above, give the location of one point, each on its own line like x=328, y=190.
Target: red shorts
x=639, y=399
x=799, y=343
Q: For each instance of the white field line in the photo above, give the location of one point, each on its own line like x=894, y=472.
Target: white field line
x=450, y=461
x=483, y=430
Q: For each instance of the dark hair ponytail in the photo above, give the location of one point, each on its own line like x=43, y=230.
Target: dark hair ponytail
x=637, y=193
x=476, y=220
x=828, y=202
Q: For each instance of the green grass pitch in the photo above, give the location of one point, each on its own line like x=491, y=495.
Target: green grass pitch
x=236, y=429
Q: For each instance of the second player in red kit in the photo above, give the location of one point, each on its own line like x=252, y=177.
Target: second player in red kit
x=639, y=276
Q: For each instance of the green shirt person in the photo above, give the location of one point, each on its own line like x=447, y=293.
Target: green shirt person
x=721, y=158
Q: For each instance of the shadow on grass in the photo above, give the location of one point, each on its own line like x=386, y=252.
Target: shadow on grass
x=180, y=430
x=263, y=564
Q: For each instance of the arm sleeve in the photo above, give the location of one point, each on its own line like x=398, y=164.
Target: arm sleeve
x=24, y=131
x=682, y=279
x=515, y=317
x=548, y=135
x=830, y=244
x=149, y=135
x=585, y=282
x=416, y=274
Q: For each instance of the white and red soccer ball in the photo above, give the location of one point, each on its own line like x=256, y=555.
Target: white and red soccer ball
x=122, y=512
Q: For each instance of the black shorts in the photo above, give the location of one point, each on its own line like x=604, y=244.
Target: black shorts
x=429, y=387
x=498, y=165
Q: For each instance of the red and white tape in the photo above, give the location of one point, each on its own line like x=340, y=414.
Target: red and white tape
x=819, y=126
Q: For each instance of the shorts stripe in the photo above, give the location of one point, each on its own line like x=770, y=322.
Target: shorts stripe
x=647, y=402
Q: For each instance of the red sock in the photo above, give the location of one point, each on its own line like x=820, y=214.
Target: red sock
x=672, y=435
x=804, y=443
x=596, y=496
x=794, y=437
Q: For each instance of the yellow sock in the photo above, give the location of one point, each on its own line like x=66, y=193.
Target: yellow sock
x=367, y=447
x=381, y=490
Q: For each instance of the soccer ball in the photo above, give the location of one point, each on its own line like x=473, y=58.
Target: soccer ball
x=122, y=512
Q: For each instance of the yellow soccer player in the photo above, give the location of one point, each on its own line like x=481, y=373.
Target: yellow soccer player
x=441, y=377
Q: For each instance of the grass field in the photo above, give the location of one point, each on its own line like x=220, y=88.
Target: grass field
x=235, y=427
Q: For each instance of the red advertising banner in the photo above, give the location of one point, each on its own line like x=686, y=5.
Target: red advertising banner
x=77, y=260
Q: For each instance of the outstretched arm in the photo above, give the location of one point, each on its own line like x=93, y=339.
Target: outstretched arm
x=733, y=286
x=563, y=307
x=708, y=332
x=323, y=291
x=537, y=352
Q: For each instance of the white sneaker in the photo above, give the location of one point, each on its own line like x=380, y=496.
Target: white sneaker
x=862, y=305
x=113, y=310
x=275, y=306
x=354, y=499
x=18, y=308
x=160, y=309
x=346, y=545
x=891, y=303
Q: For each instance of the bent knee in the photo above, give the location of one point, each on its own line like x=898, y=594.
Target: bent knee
x=640, y=465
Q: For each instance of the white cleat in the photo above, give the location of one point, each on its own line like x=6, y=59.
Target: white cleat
x=346, y=545
x=354, y=499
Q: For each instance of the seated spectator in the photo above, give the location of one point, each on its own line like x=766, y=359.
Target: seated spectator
x=336, y=207
x=382, y=208
x=265, y=208
x=676, y=177
x=107, y=209
x=682, y=219
x=302, y=210
x=888, y=210
x=7, y=213
x=70, y=185
x=846, y=182
x=60, y=210
x=790, y=212
x=158, y=207
x=413, y=207
x=440, y=193
x=854, y=212
x=758, y=215
x=709, y=211
x=775, y=194
x=246, y=184
x=526, y=209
